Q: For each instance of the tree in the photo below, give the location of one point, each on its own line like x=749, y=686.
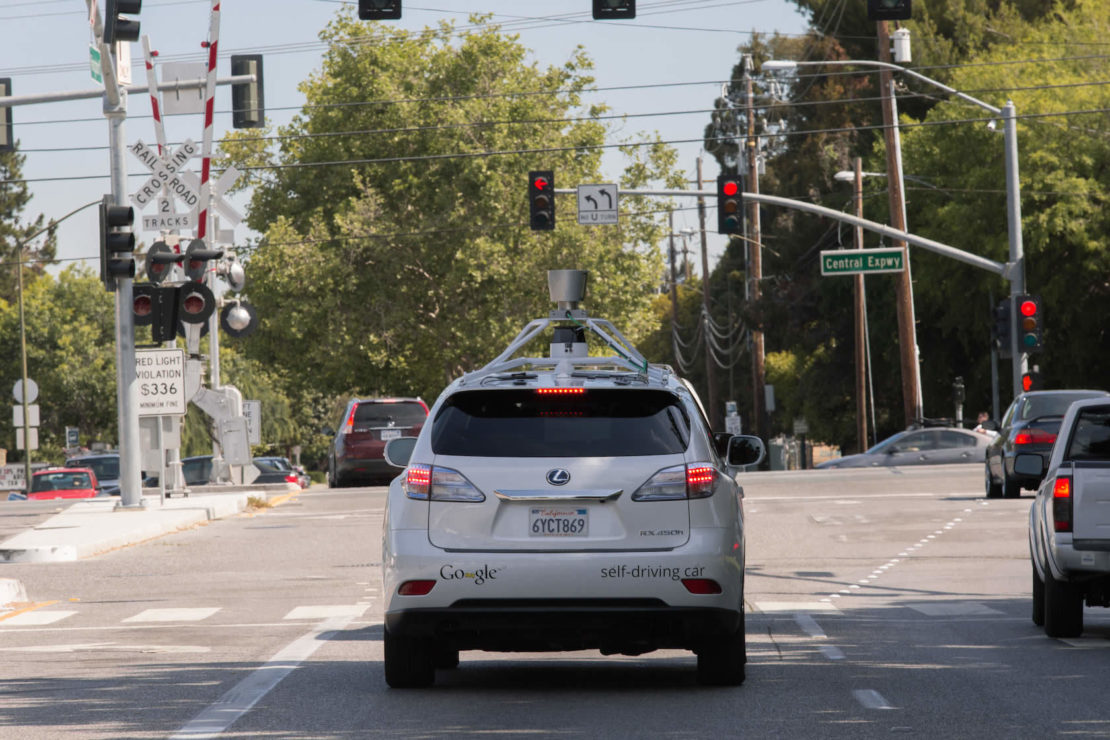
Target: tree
x=14, y=197
x=395, y=219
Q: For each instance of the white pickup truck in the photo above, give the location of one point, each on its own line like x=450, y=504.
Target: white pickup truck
x=1069, y=522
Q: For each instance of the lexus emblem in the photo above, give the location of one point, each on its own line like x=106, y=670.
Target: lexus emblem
x=558, y=477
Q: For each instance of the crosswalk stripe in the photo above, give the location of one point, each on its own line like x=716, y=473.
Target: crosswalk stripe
x=173, y=615
x=36, y=619
x=327, y=612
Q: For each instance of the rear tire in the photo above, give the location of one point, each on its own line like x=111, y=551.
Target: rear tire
x=994, y=490
x=1038, y=598
x=1063, y=607
x=446, y=658
x=722, y=663
x=1010, y=488
x=409, y=662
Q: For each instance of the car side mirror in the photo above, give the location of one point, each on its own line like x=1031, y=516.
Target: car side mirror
x=398, y=451
x=744, y=449
x=1028, y=463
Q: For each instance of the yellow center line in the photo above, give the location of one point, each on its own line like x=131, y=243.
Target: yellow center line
x=26, y=609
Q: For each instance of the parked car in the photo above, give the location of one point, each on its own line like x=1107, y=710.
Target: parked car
x=930, y=446
x=1069, y=522
x=1029, y=425
x=197, y=470
x=67, y=482
x=106, y=467
x=581, y=503
x=284, y=463
x=275, y=470
x=356, y=452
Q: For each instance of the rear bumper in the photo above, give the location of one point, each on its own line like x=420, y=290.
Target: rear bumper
x=629, y=626
x=368, y=466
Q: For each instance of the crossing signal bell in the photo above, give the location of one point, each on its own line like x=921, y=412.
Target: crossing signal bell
x=116, y=26
x=116, y=242
x=1030, y=323
x=379, y=10
x=730, y=205
x=614, y=9
x=889, y=10
x=541, y=199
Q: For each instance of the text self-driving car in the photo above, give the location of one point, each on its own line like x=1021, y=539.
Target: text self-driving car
x=566, y=502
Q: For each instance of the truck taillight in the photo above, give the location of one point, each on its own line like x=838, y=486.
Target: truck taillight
x=1061, y=504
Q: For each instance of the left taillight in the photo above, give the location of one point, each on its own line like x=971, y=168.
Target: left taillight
x=292, y=478
x=426, y=482
x=678, y=482
x=1061, y=503
x=1034, y=436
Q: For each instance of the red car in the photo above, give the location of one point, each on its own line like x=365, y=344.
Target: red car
x=63, y=483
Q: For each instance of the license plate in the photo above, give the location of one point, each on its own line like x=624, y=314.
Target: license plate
x=388, y=434
x=558, y=522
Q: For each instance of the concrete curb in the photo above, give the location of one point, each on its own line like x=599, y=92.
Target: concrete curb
x=11, y=592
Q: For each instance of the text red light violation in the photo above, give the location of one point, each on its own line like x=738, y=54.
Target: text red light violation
x=730, y=188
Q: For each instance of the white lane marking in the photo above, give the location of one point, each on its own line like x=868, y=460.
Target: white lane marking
x=86, y=647
x=326, y=612
x=832, y=652
x=173, y=615
x=809, y=625
x=871, y=699
x=36, y=619
x=768, y=607
x=1087, y=642
x=222, y=713
x=954, y=609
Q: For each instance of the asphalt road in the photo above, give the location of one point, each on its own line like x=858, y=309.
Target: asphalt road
x=881, y=602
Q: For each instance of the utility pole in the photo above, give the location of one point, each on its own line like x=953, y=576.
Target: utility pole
x=903, y=286
x=861, y=317
x=674, y=287
x=710, y=372
x=755, y=247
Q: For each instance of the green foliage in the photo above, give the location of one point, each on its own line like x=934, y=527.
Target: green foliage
x=413, y=262
x=14, y=197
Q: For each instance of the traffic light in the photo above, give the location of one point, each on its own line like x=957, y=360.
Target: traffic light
x=1031, y=381
x=730, y=204
x=541, y=199
x=248, y=103
x=196, y=259
x=613, y=9
x=116, y=26
x=160, y=259
x=114, y=242
x=1003, y=329
x=7, y=140
x=156, y=306
x=379, y=10
x=1030, y=324
x=889, y=10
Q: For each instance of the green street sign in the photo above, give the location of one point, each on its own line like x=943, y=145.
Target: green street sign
x=862, y=261
x=94, y=64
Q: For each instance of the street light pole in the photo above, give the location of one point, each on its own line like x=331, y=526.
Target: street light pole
x=1015, y=265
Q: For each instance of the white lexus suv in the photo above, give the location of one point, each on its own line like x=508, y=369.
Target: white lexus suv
x=566, y=502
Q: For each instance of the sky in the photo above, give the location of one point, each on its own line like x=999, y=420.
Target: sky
x=674, y=56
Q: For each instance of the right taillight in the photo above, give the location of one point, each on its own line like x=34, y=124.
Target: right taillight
x=1061, y=504
x=678, y=482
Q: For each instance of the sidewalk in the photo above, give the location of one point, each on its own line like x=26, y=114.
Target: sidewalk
x=92, y=526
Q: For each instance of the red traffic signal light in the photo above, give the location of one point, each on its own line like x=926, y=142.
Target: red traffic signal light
x=195, y=303
x=730, y=205
x=1030, y=324
x=541, y=200
x=1031, y=381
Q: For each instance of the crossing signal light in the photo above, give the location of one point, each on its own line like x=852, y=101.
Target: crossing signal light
x=116, y=26
x=541, y=199
x=1031, y=381
x=248, y=103
x=195, y=303
x=889, y=10
x=1030, y=324
x=160, y=259
x=156, y=306
x=379, y=10
x=197, y=257
x=116, y=242
x=730, y=204
x=613, y=9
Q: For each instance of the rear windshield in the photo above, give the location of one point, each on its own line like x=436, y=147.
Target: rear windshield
x=106, y=468
x=598, y=423
x=377, y=413
x=1035, y=407
x=1091, y=440
x=60, y=481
